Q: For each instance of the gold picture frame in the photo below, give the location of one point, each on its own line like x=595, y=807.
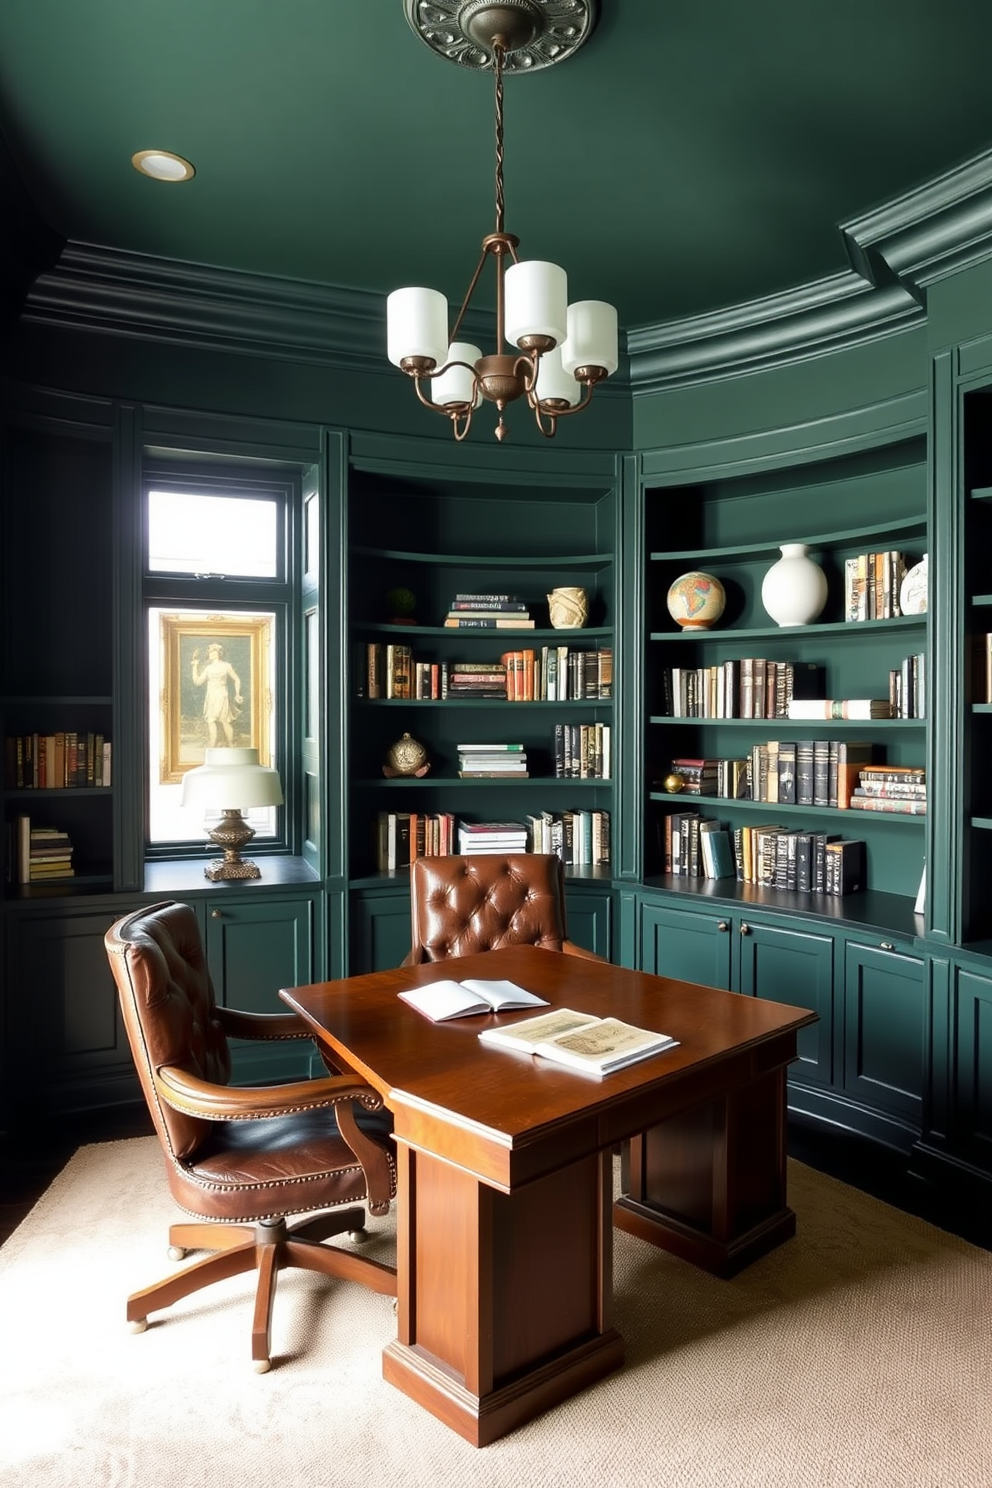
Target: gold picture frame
x=216, y=690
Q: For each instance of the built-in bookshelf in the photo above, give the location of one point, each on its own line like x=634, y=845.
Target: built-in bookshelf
x=976, y=907
x=733, y=527
x=438, y=538
x=56, y=680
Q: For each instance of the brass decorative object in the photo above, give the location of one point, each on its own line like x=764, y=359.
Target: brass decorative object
x=406, y=757
x=674, y=783
x=557, y=349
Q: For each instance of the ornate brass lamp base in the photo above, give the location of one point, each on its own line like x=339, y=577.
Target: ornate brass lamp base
x=232, y=835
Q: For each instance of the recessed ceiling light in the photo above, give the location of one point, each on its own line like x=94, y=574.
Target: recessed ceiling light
x=162, y=165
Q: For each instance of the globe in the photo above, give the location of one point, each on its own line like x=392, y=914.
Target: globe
x=696, y=601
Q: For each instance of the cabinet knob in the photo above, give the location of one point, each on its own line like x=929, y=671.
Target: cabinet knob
x=722, y=925
x=745, y=928
x=215, y=914
x=886, y=945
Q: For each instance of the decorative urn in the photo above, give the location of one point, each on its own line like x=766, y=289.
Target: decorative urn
x=406, y=757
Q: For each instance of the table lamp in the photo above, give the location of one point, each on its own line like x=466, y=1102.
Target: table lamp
x=228, y=776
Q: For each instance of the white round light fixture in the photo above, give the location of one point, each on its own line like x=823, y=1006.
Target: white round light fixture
x=162, y=165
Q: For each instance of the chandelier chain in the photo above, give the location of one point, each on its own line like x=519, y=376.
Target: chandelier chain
x=498, y=69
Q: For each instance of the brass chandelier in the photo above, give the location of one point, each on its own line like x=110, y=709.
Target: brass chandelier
x=562, y=350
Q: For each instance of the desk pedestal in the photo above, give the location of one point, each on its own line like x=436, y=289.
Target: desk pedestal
x=505, y=1300
x=709, y=1184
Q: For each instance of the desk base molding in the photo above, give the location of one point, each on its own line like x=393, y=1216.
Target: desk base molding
x=718, y=1257
x=484, y=1419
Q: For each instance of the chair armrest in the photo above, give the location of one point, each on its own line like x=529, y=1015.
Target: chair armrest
x=239, y=1024
x=196, y=1097
x=414, y=957
x=571, y=949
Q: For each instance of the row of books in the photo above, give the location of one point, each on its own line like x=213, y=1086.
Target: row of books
x=492, y=762
x=871, y=585
x=43, y=854
x=805, y=772
x=908, y=687
x=531, y=674
x=769, y=855
x=56, y=761
x=582, y=751
x=747, y=687
x=488, y=612
x=577, y=837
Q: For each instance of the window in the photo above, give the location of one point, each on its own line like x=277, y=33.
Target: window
x=219, y=610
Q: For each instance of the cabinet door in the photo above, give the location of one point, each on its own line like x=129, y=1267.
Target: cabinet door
x=972, y=1072
x=380, y=930
x=797, y=968
x=687, y=945
x=66, y=1045
x=590, y=920
x=883, y=1031
x=254, y=947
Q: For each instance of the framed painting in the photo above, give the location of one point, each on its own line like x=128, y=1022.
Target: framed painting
x=217, y=688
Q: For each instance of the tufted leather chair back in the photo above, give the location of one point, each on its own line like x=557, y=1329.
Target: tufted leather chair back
x=167, y=1000
x=461, y=905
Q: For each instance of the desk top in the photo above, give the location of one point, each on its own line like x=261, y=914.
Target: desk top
x=495, y=1110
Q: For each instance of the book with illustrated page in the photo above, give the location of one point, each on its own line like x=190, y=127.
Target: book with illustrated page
x=450, y=999
x=597, y=1045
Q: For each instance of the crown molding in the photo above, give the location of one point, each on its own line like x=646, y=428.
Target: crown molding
x=829, y=314
x=149, y=298
x=895, y=253
x=935, y=230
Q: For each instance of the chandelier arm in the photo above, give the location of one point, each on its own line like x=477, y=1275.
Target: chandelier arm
x=540, y=413
x=444, y=407
x=526, y=368
x=461, y=431
x=468, y=295
x=577, y=407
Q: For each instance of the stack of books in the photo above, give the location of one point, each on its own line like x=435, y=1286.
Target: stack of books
x=582, y=751
x=491, y=837
x=699, y=776
x=43, y=853
x=895, y=788
x=488, y=612
x=579, y=838
x=492, y=762
x=477, y=679
x=871, y=585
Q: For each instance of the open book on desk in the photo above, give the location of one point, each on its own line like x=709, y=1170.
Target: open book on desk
x=449, y=999
x=597, y=1045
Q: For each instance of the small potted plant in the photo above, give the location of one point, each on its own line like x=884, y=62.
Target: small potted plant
x=400, y=606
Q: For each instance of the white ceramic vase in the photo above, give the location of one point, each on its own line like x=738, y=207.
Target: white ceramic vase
x=794, y=590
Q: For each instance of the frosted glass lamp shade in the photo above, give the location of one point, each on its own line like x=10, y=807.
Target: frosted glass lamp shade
x=536, y=301
x=553, y=381
x=457, y=385
x=231, y=779
x=593, y=338
x=416, y=325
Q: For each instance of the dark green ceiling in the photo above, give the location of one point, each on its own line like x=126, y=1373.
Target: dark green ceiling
x=694, y=154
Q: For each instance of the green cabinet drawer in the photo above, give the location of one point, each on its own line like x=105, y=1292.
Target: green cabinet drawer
x=883, y=1030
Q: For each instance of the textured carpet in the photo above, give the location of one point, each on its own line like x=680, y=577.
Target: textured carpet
x=857, y=1354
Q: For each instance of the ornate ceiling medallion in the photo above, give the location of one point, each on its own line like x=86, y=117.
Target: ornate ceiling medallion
x=535, y=33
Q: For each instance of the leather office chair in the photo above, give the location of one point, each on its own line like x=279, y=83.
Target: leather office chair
x=241, y=1159
x=460, y=905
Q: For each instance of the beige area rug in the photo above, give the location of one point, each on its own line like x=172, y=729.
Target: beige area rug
x=857, y=1354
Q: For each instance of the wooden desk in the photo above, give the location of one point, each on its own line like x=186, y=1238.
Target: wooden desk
x=505, y=1197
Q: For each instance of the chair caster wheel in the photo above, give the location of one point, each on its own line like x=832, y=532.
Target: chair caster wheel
x=176, y=1253
x=137, y=1325
x=261, y=1366
x=358, y=1237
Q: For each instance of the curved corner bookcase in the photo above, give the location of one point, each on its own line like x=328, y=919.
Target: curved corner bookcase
x=734, y=528
x=438, y=539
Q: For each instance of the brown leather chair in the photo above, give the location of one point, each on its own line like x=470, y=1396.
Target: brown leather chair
x=460, y=905
x=241, y=1159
